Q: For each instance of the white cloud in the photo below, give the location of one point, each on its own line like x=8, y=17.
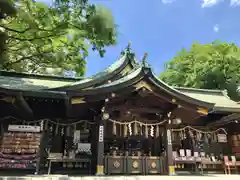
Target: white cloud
x=167, y=1
x=216, y=28
x=209, y=3
x=234, y=2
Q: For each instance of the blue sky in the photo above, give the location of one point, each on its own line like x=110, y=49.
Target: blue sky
x=163, y=27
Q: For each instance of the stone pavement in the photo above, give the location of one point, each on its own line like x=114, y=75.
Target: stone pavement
x=62, y=177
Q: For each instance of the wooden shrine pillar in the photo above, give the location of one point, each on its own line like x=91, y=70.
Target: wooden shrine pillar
x=94, y=139
x=169, y=152
x=100, y=144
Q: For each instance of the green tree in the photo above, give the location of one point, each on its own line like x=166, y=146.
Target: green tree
x=6, y=9
x=208, y=66
x=56, y=37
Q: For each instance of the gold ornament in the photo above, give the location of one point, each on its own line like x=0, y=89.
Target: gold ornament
x=116, y=164
x=153, y=165
x=135, y=164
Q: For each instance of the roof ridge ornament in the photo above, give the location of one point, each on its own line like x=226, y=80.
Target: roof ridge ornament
x=144, y=62
x=127, y=50
x=129, y=45
x=130, y=54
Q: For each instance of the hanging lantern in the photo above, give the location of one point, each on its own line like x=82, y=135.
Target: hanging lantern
x=105, y=116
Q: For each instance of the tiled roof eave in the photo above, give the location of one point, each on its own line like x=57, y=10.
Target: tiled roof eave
x=226, y=109
x=36, y=93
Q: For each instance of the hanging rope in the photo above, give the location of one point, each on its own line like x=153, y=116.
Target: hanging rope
x=53, y=122
x=159, y=123
x=117, y=122
x=197, y=130
x=138, y=122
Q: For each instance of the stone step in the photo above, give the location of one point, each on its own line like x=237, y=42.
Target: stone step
x=63, y=177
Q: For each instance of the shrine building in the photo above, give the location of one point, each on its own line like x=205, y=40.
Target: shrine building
x=124, y=120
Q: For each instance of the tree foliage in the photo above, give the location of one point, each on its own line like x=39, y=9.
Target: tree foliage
x=208, y=66
x=6, y=9
x=58, y=37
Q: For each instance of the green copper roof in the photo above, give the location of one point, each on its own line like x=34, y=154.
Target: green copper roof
x=127, y=57
x=219, y=98
x=38, y=83
x=123, y=79
x=18, y=83
x=108, y=70
x=24, y=81
x=145, y=73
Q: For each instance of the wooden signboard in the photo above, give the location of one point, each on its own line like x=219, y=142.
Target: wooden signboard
x=24, y=128
x=222, y=138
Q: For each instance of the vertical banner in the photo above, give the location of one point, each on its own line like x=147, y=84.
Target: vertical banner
x=101, y=133
x=169, y=137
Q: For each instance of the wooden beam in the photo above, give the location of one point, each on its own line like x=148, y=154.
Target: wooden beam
x=225, y=120
x=77, y=100
x=135, y=109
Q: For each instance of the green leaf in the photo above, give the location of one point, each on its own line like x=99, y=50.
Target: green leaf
x=207, y=66
x=42, y=37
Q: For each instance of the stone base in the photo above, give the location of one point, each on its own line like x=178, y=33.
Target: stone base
x=63, y=177
x=100, y=174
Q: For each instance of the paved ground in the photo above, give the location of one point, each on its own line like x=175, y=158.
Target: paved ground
x=59, y=177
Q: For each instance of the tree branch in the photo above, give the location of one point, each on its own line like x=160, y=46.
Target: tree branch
x=5, y=66
x=36, y=38
x=14, y=30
